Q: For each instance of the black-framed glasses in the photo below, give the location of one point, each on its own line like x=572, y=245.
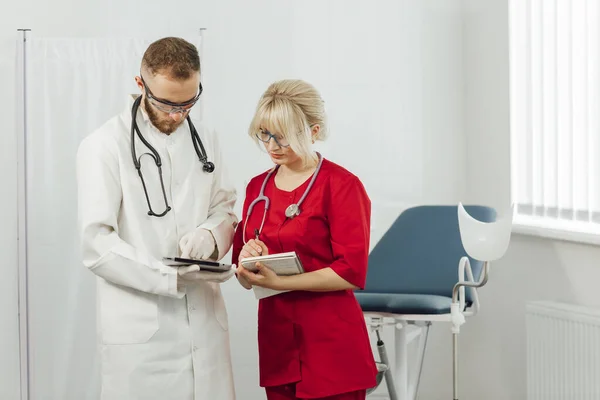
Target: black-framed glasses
x=264, y=136
x=168, y=106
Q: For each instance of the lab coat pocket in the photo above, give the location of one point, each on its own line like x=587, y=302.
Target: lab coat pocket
x=127, y=316
x=219, y=307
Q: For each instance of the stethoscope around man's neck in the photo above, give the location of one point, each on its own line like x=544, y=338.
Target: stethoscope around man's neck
x=291, y=211
x=207, y=166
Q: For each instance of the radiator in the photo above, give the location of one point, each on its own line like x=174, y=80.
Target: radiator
x=563, y=352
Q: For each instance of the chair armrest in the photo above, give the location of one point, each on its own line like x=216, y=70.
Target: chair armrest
x=458, y=292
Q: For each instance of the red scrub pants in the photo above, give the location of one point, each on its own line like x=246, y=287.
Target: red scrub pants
x=288, y=392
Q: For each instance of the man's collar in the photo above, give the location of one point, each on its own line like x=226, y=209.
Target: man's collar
x=131, y=99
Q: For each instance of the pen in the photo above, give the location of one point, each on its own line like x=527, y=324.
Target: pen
x=256, y=233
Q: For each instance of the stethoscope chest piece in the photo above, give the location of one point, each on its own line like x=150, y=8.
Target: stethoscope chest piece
x=208, y=167
x=292, y=211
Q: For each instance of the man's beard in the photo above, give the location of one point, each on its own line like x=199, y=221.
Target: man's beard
x=165, y=126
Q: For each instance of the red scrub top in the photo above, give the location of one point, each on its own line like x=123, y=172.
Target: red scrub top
x=317, y=339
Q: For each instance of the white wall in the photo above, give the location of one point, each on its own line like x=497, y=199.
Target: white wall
x=390, y=72
x=493, y=363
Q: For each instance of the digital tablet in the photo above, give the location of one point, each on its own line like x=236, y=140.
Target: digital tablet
x=205, y=265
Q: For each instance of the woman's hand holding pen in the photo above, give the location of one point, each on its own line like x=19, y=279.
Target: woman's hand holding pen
x=254, y=248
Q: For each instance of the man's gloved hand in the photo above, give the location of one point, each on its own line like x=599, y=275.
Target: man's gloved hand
x=199, y=244
x=192, y=273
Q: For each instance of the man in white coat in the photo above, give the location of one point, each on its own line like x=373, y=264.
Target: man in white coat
x=163, y=330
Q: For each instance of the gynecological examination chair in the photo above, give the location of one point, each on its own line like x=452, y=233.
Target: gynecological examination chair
x=427, y=269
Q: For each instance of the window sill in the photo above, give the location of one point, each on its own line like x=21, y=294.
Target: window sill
x=571, y=231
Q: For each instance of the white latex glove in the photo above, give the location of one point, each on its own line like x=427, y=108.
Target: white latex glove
x=199, y=244
x=192, y=273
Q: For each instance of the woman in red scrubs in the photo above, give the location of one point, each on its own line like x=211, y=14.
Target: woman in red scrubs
x=312, y=339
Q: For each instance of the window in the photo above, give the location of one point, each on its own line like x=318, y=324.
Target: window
x=555, y=116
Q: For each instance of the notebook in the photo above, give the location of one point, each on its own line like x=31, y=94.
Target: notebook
x=281, y=263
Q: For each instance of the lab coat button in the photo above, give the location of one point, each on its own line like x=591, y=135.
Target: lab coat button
x=192, y=308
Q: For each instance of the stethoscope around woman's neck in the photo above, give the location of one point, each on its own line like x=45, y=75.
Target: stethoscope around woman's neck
x=291, y=211
x=207, y=166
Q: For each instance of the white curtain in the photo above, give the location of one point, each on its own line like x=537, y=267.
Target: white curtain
x=73, y=86
x=555, y=96
x=9, y=303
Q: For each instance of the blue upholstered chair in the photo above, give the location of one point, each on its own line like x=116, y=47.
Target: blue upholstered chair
x=416, y=269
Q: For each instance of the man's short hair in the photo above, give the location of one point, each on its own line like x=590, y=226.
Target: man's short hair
x=172, y=56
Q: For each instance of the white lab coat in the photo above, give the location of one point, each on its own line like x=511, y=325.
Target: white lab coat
x=156, y=342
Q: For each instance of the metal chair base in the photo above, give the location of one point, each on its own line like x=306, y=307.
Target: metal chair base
x=399, y=386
